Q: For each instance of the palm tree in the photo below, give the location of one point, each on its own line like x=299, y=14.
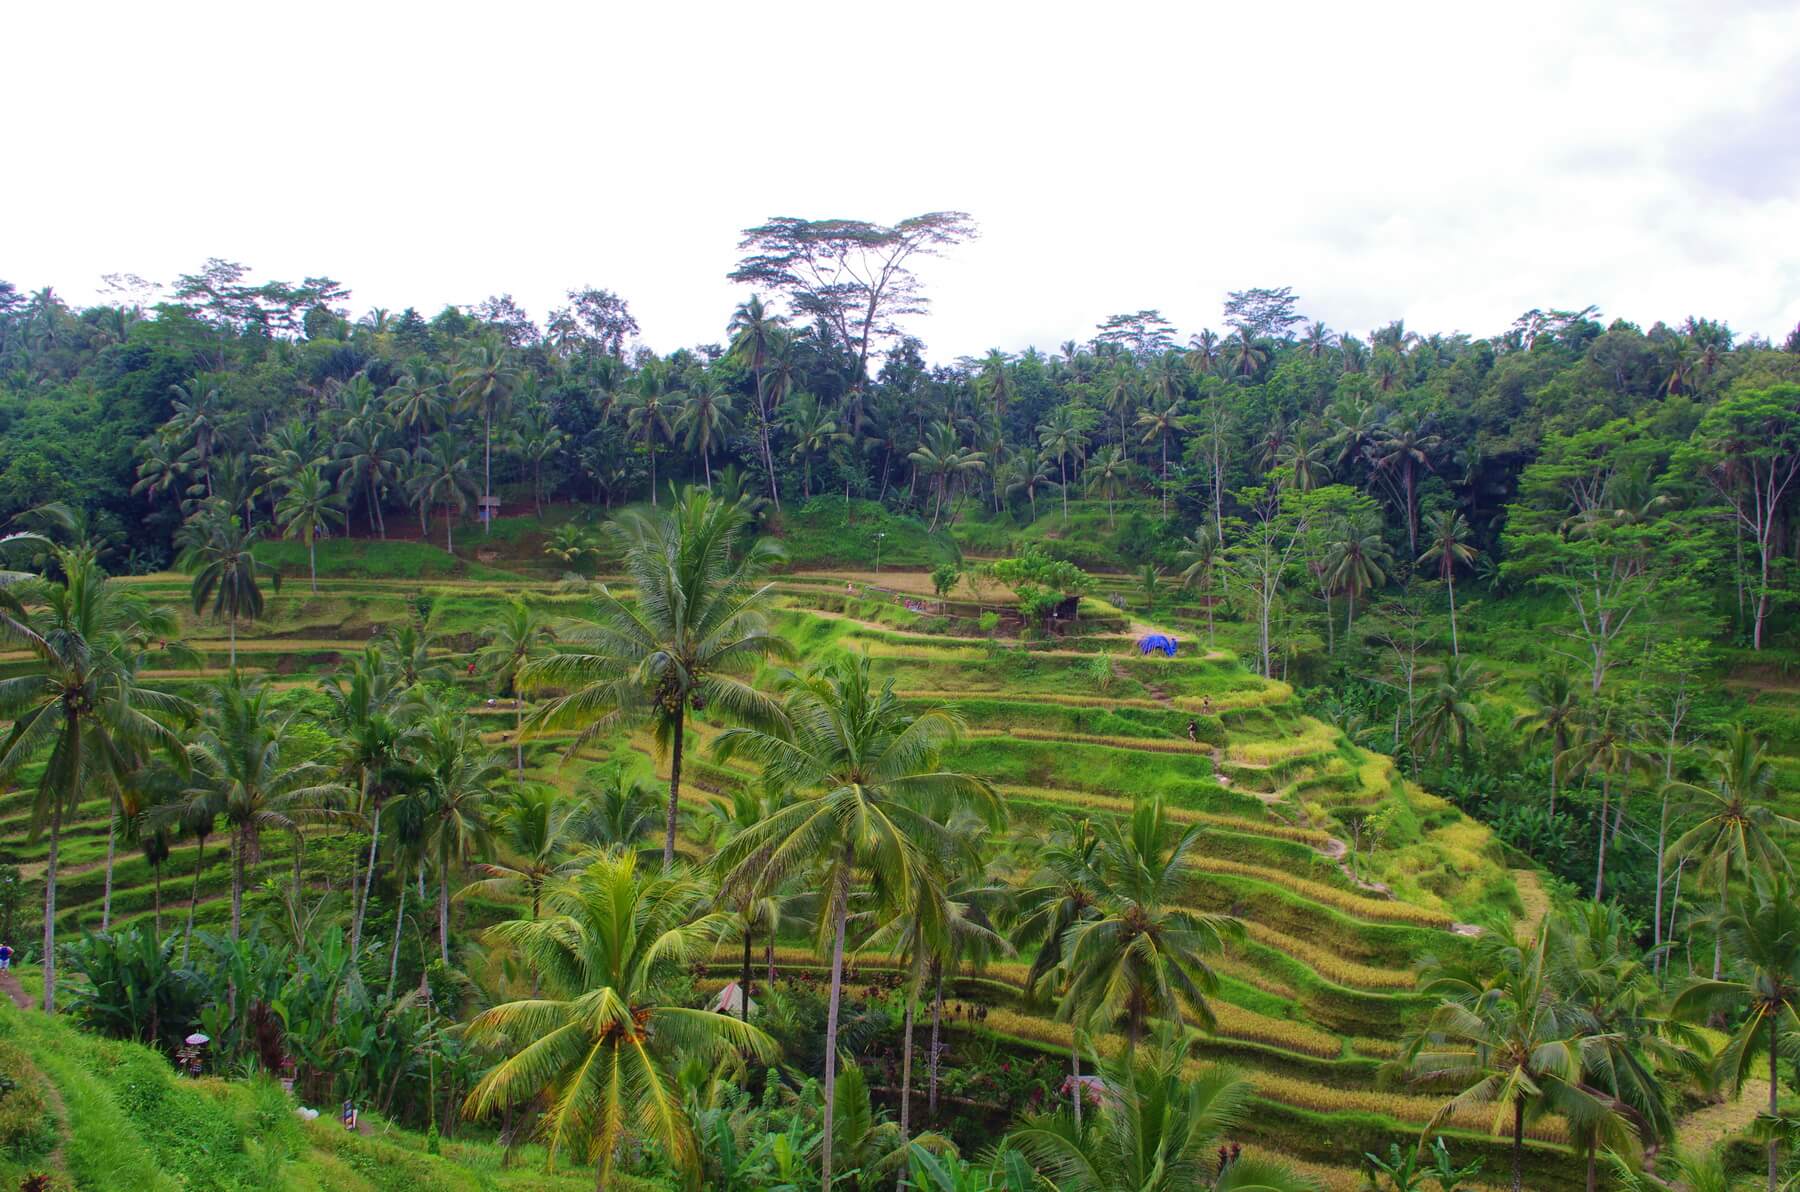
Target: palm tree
x=459, y=776
x=1320, y=341
x=484, y=381
x=219, y=550
x=754, y=332
x=1406, y=447
x=1062, y=891
x=648, y=413
x=871, y=801
x=444, y=479
x=1447, y=715
x=1029, y=472
x=1304, y=461
x=1245, y=354
x=1159, y=425
x=1158, y=1131
x=1062, y=439
x=1509, y=1042
x=696, y=623
x=707, y=417
x=1765, y=937
x=1141, y=955
x=416, y=400
x=1555, y=716
x=600, y=1044
x=1605, y=746
x=308, y=508
x=1449, y=549
x=1356, y=563
x=1109, y=472
x=1121, y=396
x=1738, y=826
x=371, y=460
x=533, y=829
x=519, y=636
x=78, y=698
x=245, y=755
x=1201, y=554
x=814, y=429
x=374, y=743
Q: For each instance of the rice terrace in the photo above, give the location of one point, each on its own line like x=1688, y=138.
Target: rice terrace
x=928, y=732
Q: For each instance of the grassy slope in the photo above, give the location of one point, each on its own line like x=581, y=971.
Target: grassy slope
x=120, y=1118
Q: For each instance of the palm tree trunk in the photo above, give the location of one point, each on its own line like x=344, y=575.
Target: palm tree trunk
x=449, y=530
x=1518, y=1146
x=769, y=955
x=839, y=913
x=444, y=911
x=487, y=460
x=187, y=934
x=112, y=830
x=362, y=904
x=156, y=913
x=394, y=955
x=1600, y=853
x=1454, y=651
x=1774, y=1107
x=906, y=1058
x=312, y=563
x=1075, y=1071
x=518, y=732
x=56, y=805
x=744, y=985
x=233, y=620
x=1662, y=835
x=237, y=883
x=937, y=1021
x=674, y=787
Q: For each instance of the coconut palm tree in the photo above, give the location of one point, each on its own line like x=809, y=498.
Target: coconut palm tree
x=1356, y=563
x=1304, y=460
x=443, y=478
x=459, y=775
x=1062, y=891
x=1406, y=447
x=246, y=755
x=1158, y=1130
x=603, y=1040
x=1029, y=472
x=814, y=429
x=519, y=636
x=1244, y=354
x=219, y=549
x=1738, y=827
x=1159, y=424
x=1142, y=955
x=696, y=623
x=1555, y=716
x=1201, y=554
x=649, y=412
x=1447, y=546
x=77, y=702
x=871, y=803
x=1109, y=473
x=370, y=722
x=307, y=509
x=1607, y=745
x=1763, y=935
x=485, y=379
x=1508, y=1041
x=754, y=334
x=707, y=417
x=370, y=459
x=1447, y=714
x=1062, y=439
x=534, y=837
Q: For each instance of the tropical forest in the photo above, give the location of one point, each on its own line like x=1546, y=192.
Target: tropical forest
x=470, y=749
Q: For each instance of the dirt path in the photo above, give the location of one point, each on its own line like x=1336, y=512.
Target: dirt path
x=1704, y=1129
x=9, y=983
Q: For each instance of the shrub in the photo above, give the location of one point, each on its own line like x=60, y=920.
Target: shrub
x=26, y=1126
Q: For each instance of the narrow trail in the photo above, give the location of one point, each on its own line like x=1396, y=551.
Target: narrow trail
x=1704, y=1129
x=9, y=983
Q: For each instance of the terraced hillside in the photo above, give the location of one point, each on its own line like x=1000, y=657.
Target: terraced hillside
x=1313, y=1001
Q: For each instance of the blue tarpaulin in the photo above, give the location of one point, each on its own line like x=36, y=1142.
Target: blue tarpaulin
x=1158, y=641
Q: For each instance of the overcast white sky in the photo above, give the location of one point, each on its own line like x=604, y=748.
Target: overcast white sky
x=1449, y=163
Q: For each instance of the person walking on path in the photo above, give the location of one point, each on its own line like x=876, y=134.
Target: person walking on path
x=1194, y=731
x=6, y=955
